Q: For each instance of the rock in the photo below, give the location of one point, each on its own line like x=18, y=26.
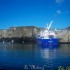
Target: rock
x=18, y=33
x=28, y=33
x=64, y=35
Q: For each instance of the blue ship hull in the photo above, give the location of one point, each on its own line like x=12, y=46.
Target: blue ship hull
x=48, y=42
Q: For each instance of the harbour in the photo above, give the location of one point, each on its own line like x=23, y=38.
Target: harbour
x=22, y=49
x=34, y=34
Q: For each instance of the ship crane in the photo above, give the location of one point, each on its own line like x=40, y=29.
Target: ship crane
x=48, y=27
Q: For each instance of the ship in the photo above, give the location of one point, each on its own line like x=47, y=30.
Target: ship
x=47, y=36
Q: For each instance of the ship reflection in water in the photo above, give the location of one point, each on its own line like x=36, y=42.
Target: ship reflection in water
x=55, y=56
x=47, y=55
x=48, y=52
x=18, y=56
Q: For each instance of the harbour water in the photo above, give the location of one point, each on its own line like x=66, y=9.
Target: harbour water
x=32, y=56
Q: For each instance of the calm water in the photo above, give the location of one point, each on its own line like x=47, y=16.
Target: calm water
x=32, y=56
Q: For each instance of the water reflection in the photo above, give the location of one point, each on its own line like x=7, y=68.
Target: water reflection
x=49, y=52
x=54, y=56
x=17, y=55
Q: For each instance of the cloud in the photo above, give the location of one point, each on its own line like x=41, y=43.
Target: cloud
x=58, y=11
x=61, y=12
x=59, y=1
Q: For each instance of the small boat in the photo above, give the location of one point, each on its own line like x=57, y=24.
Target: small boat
x=47, y=36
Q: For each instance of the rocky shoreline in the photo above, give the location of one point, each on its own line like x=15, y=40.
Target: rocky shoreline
x=28, y=34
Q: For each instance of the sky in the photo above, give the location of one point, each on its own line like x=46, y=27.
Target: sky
x=14, y=13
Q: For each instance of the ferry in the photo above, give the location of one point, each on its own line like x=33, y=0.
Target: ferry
x=47, y=36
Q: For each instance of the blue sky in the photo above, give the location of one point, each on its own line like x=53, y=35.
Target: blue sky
x=34, y=13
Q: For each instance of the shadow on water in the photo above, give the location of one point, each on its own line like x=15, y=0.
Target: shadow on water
x=48, y=46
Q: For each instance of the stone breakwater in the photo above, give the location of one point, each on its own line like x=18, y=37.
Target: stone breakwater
x=28, y=34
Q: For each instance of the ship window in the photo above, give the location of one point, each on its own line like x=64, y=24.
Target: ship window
x=50, y=36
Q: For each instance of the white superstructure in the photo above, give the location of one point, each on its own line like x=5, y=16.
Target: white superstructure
x=47, y=33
